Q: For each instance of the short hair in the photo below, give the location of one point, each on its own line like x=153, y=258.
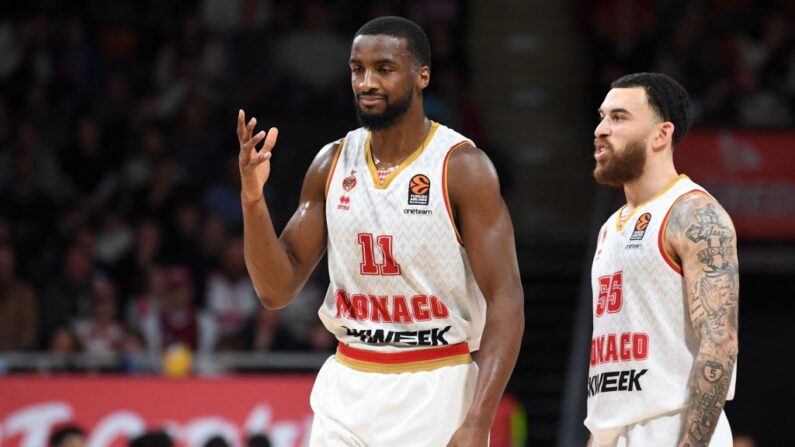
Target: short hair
x=667, y=98
x=417, y=40
x=258, y=440
x=60, y=434
x=157, y=438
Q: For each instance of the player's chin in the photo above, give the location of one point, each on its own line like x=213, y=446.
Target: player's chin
x=371, y=110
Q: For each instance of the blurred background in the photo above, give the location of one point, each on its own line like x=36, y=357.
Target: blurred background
x=120, y=225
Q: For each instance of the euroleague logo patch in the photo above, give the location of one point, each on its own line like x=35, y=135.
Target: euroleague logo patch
x=419, y=189
x=640, y=227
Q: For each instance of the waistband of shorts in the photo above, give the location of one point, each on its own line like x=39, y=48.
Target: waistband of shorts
x=415, y=360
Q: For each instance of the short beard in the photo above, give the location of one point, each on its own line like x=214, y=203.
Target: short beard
x=391, y=114
x=624, y=167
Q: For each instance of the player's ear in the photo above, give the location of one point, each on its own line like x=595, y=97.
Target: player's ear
x=663, y=136
x=423, y=77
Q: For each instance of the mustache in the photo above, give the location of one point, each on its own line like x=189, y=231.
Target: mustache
x=597, y=141
x=370, y=95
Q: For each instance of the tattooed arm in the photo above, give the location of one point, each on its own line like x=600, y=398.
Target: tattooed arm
x=701, y=236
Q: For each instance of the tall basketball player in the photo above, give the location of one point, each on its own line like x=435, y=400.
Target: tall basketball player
x=421, y=259
x=665, y=281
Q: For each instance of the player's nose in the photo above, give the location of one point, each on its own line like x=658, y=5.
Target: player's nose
x=602, y=129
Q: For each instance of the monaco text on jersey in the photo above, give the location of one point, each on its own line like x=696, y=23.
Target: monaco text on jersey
x=389, y=309
x=622, y=347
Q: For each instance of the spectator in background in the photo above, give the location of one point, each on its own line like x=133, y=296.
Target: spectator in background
x=223, y=196
x=310, y=56
x=68, y=436
x=184, y=241
x=134, y=271
x=88, y=163
x=18, y=306
x=197, y=144
x=179, y=322
x=63, y=345
x=231, y=299
x=147, y=304
x=101, y=333
x=114, y=241
x=214, y=238
x=153, y=438
x=64, y=342
x=77, y=61
x=28, y=177
x=139, y=167
x=258, y=440
x=217, y=441
x=69, y=293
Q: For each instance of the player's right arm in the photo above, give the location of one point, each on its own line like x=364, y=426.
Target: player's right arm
x=279, y=266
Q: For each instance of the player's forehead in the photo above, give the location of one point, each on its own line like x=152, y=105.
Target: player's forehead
x=379, y=47
x=632, y=100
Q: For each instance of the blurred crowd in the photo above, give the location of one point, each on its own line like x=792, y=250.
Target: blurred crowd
x=120, y=218
x=736, y=58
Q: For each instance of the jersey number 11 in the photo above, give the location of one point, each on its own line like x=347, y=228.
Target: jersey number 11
x=388, y=267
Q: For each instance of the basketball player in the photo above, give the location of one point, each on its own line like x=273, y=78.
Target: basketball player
x=665, y=282
x=421, y=258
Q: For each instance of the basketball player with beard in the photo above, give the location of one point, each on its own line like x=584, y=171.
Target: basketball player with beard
x=422, y=262
x=665, y=282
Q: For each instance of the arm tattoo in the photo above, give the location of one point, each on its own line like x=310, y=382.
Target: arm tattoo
x=713, y=294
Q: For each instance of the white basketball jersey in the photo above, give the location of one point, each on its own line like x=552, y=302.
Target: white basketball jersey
x=399, y=277
x=643, y=346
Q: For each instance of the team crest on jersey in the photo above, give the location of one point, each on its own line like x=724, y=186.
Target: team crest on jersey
x=419, y=189
x=349, y=182
x=640, y=227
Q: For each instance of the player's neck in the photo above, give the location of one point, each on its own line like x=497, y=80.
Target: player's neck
x=392, y=145
x=654, y=180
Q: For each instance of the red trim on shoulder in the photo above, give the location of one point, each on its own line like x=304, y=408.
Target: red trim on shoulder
x=446, y=195
x=337, y=154
x=661, y=234
x=415, y=355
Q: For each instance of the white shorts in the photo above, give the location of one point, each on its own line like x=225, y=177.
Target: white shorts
x=359, y=408
x=664, y=431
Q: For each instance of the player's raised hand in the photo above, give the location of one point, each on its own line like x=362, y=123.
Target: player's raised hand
x=255, y=166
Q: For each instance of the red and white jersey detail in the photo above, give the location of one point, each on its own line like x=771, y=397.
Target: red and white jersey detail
x=643, y=346
x=399, y=278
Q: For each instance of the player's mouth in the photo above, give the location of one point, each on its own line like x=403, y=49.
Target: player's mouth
x=601, y=149
x=370, y=100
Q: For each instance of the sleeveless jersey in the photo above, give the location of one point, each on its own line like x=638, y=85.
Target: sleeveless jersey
x=399, y=276
x=643, y=346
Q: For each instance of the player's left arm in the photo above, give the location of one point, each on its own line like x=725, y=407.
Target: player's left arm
x=487, y=234
x=701, y=235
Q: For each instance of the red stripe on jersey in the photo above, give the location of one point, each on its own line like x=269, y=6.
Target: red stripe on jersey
x=403, y=357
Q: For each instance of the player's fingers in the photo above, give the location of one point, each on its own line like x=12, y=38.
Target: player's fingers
x=248, y=149
x=250, y=129
x=261, y=157
x=241, y=119
x=270, y=140
x=251, y=144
